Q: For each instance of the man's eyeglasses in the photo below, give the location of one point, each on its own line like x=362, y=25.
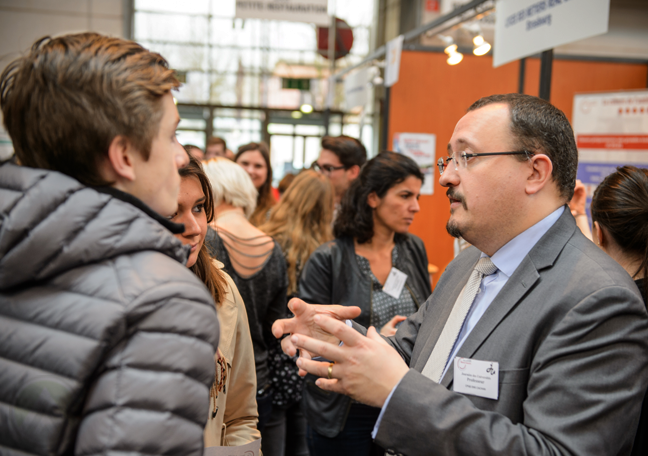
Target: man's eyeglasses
x=461, y=158
x=326, y=169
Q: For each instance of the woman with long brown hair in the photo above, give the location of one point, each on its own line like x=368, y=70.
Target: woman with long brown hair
x=300, y=223
x=254, y=158
x=232, y=409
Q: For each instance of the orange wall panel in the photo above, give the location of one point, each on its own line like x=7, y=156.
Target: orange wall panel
x=432, y=96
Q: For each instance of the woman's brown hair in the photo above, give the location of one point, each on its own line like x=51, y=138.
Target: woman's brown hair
x=301, y=221
x=265, y=200
x=620, y=205
x=204, y=268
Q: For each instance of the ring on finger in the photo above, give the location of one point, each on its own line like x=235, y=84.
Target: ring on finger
x=330, y=371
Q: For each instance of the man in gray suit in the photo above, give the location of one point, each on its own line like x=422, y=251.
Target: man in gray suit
x=533, y=342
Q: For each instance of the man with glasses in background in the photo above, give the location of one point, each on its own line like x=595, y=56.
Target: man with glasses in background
x=340, y=160
x=533, y=342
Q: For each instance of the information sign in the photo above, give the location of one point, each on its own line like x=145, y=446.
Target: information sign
x=527, y=27
x=312, y=11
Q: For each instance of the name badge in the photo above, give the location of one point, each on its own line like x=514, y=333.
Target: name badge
x=395, y=283
x=477, y=378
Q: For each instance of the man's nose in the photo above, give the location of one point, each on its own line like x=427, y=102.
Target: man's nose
x=450, y=177
x=181, y=158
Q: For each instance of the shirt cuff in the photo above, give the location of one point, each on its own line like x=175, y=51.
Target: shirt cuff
x=382, y=411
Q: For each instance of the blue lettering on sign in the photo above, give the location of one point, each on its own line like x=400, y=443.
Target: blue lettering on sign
x=538, y=22
x=532, y=10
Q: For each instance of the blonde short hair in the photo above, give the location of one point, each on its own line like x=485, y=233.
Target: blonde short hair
x=231, y=184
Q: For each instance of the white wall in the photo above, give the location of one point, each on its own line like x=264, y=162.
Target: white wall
x=24, y=21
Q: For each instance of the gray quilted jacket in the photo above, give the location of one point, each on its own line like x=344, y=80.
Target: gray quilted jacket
x=106, y=340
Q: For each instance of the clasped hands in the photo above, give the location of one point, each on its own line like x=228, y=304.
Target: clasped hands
x=366, y=367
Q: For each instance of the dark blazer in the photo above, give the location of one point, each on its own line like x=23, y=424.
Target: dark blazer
x=570, y=333
x=332, y=276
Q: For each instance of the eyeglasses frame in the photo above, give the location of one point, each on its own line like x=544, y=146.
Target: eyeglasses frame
x=317, y=167
x=442, y=162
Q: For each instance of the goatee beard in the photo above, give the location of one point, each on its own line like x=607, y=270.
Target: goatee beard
x=453, y=229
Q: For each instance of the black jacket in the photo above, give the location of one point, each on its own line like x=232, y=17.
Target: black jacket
x=332, y=276
x=106, y=340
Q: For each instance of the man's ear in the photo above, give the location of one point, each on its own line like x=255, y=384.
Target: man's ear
x=373, y=200
x=120, y=159
x=539, y=173
x=353, y=172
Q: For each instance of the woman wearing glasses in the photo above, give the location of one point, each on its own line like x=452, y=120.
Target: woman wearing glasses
x=372, y=263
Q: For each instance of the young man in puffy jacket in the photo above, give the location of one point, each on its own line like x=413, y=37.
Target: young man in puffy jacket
x=106, y=340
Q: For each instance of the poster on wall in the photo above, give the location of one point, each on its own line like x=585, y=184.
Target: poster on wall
x=420, y=147
x=611, y=130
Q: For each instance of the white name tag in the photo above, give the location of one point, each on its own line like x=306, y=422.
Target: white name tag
x=477, y=378
x=395, y=283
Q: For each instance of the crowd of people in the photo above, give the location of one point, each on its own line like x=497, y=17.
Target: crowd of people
x=157, y=298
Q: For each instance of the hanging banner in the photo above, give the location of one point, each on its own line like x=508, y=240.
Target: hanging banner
x=356, y=88
x=392, y=60
x=312, y=11
x=420, y=147
x=611, y=130
x=527, y=27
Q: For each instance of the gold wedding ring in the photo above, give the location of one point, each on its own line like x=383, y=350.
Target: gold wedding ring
x=330, y=371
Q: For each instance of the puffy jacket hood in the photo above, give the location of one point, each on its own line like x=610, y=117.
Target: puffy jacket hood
x=51, y=223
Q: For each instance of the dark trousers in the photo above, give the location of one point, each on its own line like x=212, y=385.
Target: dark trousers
x=285, y=432
x=353, y=440
x=264, y=406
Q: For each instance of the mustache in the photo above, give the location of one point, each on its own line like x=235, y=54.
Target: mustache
x=451, y=193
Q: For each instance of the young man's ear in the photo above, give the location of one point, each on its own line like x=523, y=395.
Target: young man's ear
x=119, y=164
x=353, y=172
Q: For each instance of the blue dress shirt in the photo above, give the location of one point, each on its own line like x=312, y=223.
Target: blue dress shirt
x=507, y=259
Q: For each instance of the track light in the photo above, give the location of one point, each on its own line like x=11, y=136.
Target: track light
x=454, y=58
x=482, y=49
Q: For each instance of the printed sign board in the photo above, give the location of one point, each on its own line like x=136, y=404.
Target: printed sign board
x=313, y=11
x=420, y=147
x=611, y=130
x=526, y=27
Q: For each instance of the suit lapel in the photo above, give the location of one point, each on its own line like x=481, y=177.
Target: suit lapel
x=541, y=256
x=522, y=280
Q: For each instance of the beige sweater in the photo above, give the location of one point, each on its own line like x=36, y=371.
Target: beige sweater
x=236, y=418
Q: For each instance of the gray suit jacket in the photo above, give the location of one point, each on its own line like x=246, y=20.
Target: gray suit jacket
x=570, y=334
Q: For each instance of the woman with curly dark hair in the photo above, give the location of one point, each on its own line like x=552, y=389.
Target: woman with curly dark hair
x=372, y=263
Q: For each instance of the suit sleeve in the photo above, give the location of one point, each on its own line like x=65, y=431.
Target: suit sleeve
x=241, y=414
x=583, y=393
x=151, y=394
